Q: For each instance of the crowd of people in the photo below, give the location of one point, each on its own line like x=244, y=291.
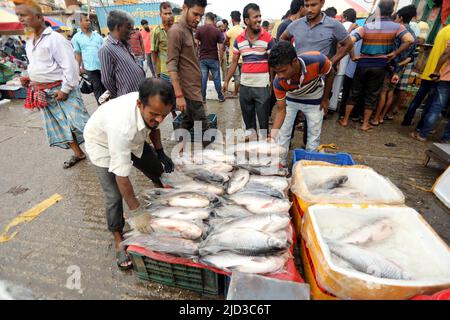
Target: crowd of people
x=304, y=65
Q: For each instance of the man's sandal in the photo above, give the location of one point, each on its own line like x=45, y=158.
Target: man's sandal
x=122, y=259
x=72, y=161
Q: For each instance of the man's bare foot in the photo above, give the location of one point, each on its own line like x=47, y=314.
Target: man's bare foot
x=416, y=136
x=343, y=123
x=366, y=128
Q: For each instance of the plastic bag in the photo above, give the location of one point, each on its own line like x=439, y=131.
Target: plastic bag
x=86, y=86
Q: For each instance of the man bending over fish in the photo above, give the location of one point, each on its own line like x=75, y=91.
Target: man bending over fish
x=115, y=138
x=300, y=86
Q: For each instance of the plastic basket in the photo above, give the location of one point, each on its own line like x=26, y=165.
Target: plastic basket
x=200, y=280
x=15, y=94
x=342, y=159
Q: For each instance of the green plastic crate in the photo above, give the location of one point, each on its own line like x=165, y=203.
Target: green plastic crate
x=200, y=280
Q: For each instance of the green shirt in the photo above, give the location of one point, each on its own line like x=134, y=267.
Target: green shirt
x=159, y=45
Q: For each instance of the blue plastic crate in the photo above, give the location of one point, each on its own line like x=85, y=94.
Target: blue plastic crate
x=342, y=159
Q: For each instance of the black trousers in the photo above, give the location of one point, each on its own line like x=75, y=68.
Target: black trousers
x=358, y=110
x=95, y=77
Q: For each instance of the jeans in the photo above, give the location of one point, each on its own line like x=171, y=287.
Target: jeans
x=95, y=77
x=140, y=60
x=426, y=87
x=314, y=118
x=255, y=102
x=149, y=164
x=439, y=100
x=212, y=65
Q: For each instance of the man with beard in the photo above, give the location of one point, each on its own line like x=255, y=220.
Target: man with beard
x=159, y=44
x=121, y=73
x=116, y=137
x=254, y=44
x=146, y=34
x=184, y=67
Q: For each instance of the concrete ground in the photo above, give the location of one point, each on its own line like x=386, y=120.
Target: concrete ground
x=73, y=232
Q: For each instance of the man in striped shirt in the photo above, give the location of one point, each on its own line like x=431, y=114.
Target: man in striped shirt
x=299, y=84
x=121, y=73
x=378, y=49
x=254, y=44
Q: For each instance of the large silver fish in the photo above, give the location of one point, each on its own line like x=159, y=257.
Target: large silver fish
x=279, y=183
x=331, y=183
x=260, y=203
x=214, y=167
x=180, y=213
x=179, y=180
x=208, y=176
x=163, y=243
x=176, y=228
x=244, y=241
x=271, y=222
x=238, y=181
x=374, y=231
x=263, y=188
x=10, y=291
x=260, y=147
x=176, y=198
x=367, y=262
x=231, y=211
x=265, y=171
x=209, y=156
x=230, y=262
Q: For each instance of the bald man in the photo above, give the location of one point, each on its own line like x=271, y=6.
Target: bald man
x=53, y=83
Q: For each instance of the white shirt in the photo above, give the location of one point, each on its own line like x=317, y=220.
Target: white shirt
x=345, y=60
x=114, y=132
x=52, y=59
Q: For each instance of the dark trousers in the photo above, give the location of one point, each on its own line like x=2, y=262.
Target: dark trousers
x=426, y=88
x=255, y=102
x=95, y=77
x=149, y=164
x=195, y=111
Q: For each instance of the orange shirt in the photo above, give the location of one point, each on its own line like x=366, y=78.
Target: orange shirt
x=147, y=37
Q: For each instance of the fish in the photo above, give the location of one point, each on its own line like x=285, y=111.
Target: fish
x=271, y=222
x=279, y=183
x=207, y=176
x=367, y=262
x=262, y=188
x=199, y=186
x=260, y=147
x=265, y=171
x=176, y=198
x=375, y=231
x=163, y=243
x=244, y=241
x=214, y=167
x=10, y=291
x=231, y=211
x=174, y=179
x=179, y=213
x=331, y=183
x=176, y=228
x=213, y=156
x=238, y=181
x=260, y=203
x=230, y=262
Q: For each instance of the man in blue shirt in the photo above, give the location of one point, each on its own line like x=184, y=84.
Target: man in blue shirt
x=86, y=45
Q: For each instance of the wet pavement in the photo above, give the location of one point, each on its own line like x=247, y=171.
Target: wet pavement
x=72, y=235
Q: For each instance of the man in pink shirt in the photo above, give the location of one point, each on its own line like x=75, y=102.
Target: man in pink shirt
x=146, y=33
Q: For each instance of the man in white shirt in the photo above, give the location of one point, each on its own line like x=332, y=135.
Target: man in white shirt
x=53, y=83
x=116, y=136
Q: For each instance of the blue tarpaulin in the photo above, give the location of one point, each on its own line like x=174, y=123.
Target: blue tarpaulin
x=147, y=11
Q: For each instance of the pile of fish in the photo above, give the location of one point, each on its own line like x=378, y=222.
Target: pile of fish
x=220, y=213
x=337, y=187
x=353, y=251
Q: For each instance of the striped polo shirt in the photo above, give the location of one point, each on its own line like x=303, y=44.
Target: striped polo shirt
x=121, y=74
x=255, y=66
x=309, y=88
x=378, y=40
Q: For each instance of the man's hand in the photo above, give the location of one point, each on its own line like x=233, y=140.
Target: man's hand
x=435, y=76
x=391, y=56
x=82, y=71
x=181, y=104
x=165, y=161
x=225, y=88
x=272, y=135
x=356, y=58
x=61, y=96
x=141, y=220
x=324, y=105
